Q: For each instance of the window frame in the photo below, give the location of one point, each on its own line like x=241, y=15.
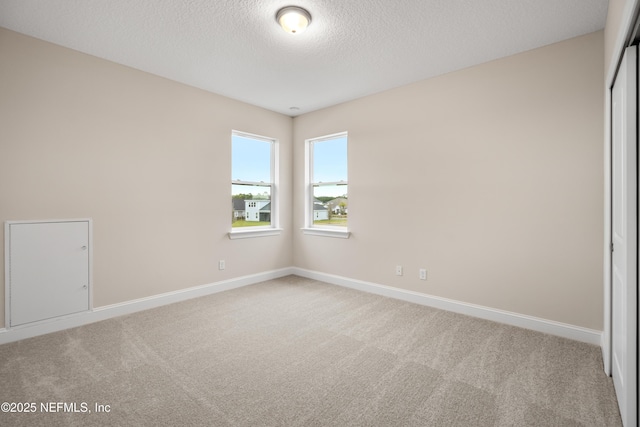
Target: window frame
x=309, y=227
x=260, y=230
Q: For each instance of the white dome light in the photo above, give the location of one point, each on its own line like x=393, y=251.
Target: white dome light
x=293, y=19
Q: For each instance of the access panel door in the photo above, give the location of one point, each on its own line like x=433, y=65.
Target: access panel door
x=48, y=266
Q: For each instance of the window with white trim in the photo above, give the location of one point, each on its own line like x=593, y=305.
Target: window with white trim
x=253, y=184
x=327, y=202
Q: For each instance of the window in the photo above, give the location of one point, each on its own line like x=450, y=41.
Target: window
x=253, y=185
x=327, y=199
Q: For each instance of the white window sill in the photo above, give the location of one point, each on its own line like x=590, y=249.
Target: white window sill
x=342, y=234
x=246, y=234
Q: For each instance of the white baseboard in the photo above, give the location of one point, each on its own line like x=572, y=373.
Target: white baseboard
x=106, y=312
x=564, y=330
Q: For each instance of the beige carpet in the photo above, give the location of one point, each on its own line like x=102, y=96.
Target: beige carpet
x=297, y=352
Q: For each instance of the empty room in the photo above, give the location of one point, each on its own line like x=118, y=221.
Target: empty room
x=336, y=213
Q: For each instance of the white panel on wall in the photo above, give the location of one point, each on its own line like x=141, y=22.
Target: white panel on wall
x=48, y=269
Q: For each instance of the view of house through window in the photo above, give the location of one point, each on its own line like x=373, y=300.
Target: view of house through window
x=252, y=182
x=328, y=181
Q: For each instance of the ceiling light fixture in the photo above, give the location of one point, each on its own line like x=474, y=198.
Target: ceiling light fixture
x=293, y=19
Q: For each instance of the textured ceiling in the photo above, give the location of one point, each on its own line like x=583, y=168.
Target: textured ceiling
x=351, y=49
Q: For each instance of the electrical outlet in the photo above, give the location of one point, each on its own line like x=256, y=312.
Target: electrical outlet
x=398, y=270
x=423, y=274
x=221, y=264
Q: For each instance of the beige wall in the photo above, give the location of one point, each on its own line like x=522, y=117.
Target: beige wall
x=147, y=158
x=491, y=178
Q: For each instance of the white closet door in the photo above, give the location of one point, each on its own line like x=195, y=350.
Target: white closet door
x=48, y=270
x=624, y=280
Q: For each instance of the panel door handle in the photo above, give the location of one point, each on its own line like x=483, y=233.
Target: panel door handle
x=84, y=248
